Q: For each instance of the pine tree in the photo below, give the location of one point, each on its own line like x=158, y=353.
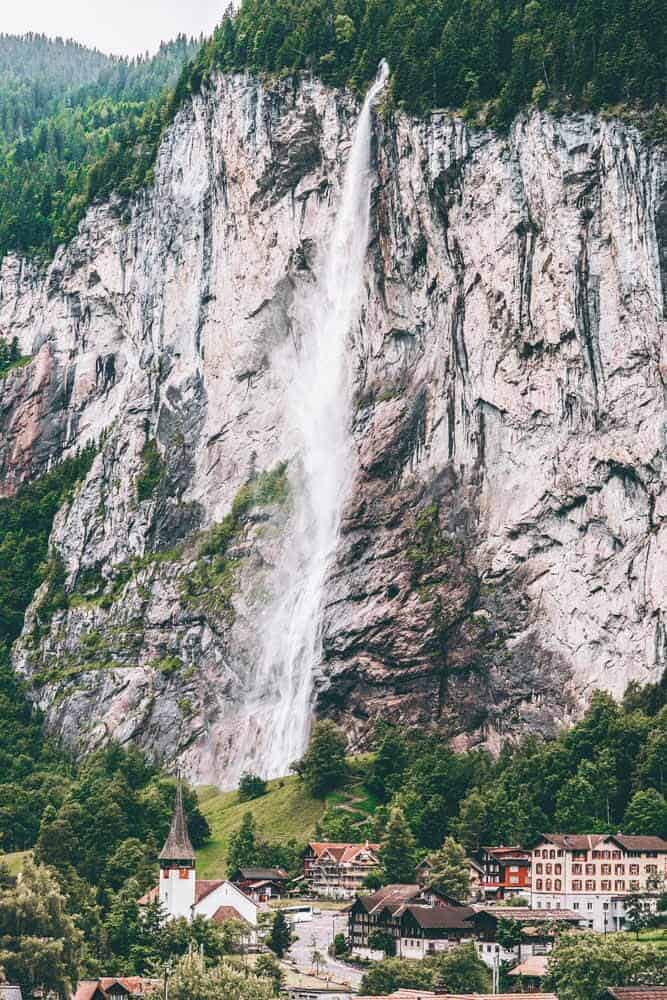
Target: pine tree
x=280, y=937
x=397, y=851
x=450, y=870
x=242, y=846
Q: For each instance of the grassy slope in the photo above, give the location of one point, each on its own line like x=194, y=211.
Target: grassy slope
x=15, y=861
x=285, y=812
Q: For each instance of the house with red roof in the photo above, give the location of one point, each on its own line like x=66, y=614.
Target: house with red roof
x=338, y=870
x=116, y=988
x=182, y=894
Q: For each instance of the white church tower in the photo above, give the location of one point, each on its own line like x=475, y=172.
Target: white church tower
x=177, y=866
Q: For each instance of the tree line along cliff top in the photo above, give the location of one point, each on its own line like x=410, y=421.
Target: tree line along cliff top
x=76, y=127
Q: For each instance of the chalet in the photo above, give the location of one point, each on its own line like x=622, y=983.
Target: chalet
x=596, y=874
x=262, y=884
x=338, y=870
x=505, y=872
x=538, y=931
x=116, y=988
x=414, y=922
x=182, y=894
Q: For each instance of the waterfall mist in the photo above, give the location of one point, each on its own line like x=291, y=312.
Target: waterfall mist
x=278, y=707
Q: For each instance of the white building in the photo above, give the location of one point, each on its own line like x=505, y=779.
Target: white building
x=182, y=894
x=596, y=874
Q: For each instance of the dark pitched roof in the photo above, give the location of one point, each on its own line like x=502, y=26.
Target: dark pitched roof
x=391, y=896
x=257, y=874
x=572, y=841
x=454, y=917
x=177, y=846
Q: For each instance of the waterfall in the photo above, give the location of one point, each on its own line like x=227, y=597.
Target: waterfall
x=278, y=709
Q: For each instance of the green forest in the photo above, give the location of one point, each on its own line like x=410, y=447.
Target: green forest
x=77, y=126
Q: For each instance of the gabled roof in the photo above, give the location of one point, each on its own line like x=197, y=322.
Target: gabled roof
x=631, y=843
x=177, y=846
x=225, y=913
x=135, y=986
x=434, y=917
x=341, y=853
x=258, y=874
x=426, y=995
x=572, y=841
x=205, y=886
x=534, y=966
x=390, y=896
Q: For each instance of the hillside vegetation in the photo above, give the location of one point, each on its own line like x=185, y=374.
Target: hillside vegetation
x=65, y=145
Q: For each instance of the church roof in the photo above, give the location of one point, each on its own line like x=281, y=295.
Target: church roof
x=177, y=846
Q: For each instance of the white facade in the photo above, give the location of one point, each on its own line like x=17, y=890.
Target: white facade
x=594, y=876
x=177, y=891
x=227, y=894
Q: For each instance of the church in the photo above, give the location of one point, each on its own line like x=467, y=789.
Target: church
x=182, y=894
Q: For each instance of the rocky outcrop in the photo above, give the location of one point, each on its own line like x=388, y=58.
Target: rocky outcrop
x=504, y=547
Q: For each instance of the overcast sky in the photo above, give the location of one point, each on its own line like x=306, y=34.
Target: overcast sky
x=125, y=27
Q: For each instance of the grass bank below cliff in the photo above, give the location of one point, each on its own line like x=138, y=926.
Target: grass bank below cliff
x=284, y=813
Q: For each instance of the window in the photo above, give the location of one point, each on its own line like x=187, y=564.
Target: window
x=590, y=869
x=165, y=873
x=558, y=869
x=559, y=854
x=538, y=869
x=597, y=854
x=577, y=869
x=619, y=869
x=605, y=906
x=615, y=855
x=548, y=885
x=538, y=885
x=590, y=885
x=607, y=854
x=605, y=869
x=552, y=854
x=589, y=906
x=634, y=869
x=634, y=885
x=576, y=885
x=184, y=873
x=605, y=885
x=619, y=885
x=575, y=906
x=558, y=885
x=549, y=869
x=651, y=869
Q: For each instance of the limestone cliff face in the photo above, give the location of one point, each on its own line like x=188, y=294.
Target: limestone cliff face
x=504, y=549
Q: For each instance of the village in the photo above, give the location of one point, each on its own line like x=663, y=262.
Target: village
x=520, y=899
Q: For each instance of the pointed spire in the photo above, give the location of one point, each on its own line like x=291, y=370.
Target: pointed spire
x=177, y=846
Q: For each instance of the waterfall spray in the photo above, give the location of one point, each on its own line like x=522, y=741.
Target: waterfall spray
x=279, y=707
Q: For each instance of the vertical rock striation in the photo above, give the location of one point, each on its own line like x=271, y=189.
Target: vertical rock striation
x=503, y=550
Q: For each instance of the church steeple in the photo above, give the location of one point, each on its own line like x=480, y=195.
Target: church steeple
x=178, y=884
x=178, y=849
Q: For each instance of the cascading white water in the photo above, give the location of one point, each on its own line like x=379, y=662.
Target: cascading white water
x=278, y=709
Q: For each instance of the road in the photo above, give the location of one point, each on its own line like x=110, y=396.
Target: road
x=316, y=935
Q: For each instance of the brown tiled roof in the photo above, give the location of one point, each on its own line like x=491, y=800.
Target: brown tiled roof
x=574, y=841
x=454, y=917
x=631, y=843
x=534, y=965
x=177, y=846
x=391, y=896
x=224, y=913
x=637, y=992
x=150, y=896
x=205, y=886
x=524, y=913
